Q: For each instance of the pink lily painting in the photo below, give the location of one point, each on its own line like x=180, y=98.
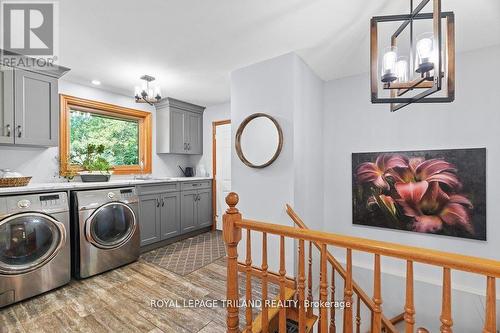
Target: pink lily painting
x=437, y=191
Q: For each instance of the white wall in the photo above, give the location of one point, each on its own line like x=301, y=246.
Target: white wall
x=211, y=114
x=353, y=124
x=285, y=88
x=42, y=163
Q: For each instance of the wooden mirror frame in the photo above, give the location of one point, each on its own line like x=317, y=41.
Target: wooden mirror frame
x=239, y=132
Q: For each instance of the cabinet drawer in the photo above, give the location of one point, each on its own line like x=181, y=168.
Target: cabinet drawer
x=158, y=188
x=196, y=185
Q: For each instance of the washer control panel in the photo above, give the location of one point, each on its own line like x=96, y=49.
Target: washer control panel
x=50, y=202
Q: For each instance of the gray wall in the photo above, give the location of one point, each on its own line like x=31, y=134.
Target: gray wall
x=353, y=124
x=42, y=163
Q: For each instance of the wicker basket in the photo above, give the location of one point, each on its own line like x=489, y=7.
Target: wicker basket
x=14, y=182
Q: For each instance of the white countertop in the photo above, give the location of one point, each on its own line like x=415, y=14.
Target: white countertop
x=43, y=187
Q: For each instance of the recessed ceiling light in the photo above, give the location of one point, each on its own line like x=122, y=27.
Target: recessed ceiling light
x=96, y=82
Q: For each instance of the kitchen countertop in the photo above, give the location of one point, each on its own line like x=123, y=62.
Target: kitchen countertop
x=44, y=187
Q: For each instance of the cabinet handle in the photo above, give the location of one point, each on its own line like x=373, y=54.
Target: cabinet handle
x=162, y=202
x=19, y=131
x=8, y=129
x=185, y=146
x=189, y=146
x=157, y=202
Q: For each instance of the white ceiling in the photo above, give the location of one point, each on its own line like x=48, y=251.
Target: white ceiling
x=191, y=46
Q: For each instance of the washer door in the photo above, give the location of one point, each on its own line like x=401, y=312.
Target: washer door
x=29, y=241
x=111, y=225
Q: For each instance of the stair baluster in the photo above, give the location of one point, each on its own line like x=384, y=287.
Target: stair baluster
x=323, y=294
x=265, y=309
x=446, y=320
x=332, y=298
x=301, y=288
x=377, y=297
x=348, y=294
x=309, y=281
x=248, y=263
x=282, y=272
x=358, y=315
x=490, y=323
x=409, y=315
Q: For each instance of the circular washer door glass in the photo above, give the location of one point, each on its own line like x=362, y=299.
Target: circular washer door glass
x=27, y=241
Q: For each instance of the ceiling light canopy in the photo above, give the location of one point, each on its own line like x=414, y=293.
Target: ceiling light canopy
x=419, y=61
x=147, y=93
x=96, y=82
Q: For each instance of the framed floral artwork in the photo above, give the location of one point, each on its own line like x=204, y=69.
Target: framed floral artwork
x=430, y=191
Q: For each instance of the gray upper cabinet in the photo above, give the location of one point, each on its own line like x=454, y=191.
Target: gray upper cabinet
x=179, y=127
x=36, y=109
x=6, y=105
x=29, y=106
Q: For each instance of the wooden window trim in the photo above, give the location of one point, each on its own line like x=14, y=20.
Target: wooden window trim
x=145, y=127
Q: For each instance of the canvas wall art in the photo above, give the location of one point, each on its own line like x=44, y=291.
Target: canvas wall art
x=431, y=191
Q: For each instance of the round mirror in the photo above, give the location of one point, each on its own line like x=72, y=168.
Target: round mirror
x=259, y=140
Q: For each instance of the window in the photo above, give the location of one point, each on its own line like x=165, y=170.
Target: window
x=125, y=134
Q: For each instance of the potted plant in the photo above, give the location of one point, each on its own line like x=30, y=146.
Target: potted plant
x=96, y=167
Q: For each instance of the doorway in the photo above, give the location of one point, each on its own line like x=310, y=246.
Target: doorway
x=221, y=168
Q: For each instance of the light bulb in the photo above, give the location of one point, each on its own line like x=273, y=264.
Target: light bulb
x=157, y=92
x=137, y=91
x=402, y=69
x=389, y=65
x=425, y=53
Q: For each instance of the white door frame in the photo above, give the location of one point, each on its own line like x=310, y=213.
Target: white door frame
x=214, y=168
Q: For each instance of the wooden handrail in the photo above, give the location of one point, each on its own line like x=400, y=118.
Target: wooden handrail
x=487, y=267
x=338, y=267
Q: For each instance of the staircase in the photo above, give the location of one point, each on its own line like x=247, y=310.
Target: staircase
x=297, y=293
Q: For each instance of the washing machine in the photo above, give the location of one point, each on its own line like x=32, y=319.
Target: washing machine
x=34, y=245
x=105, y=230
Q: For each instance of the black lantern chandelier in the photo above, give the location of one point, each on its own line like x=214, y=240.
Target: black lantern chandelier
x=418, y=59
x=147, y=93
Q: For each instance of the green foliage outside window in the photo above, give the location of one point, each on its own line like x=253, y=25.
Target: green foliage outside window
x=120, y=137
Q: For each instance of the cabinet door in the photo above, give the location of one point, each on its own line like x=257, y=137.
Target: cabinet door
x=189, y=211
x=170, y=215
x=36, y=109
x=149, y=219
x=177, y=132
x=6, y=105
x=195, y=133
x=204, y=203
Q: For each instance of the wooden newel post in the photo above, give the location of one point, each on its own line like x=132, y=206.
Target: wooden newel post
x=232, y=236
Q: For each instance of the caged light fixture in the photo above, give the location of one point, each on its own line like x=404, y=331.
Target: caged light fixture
x=147, y=93
x=417, y=66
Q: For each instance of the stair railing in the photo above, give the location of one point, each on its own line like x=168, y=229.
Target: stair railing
x=336, y=268
x=234, y=223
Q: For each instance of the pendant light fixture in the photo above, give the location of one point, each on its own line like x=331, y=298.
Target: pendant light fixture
x=147, y=93
x=417, y=64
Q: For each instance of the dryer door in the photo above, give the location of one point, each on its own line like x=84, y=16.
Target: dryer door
x=28, y=241
x=111, y=225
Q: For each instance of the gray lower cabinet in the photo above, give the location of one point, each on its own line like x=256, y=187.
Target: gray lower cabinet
x=6, y=105
x=189, y=211
x=149, y=219
x=167, y=210
x=159, y=217
x=196, y=209
x=170, y=215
